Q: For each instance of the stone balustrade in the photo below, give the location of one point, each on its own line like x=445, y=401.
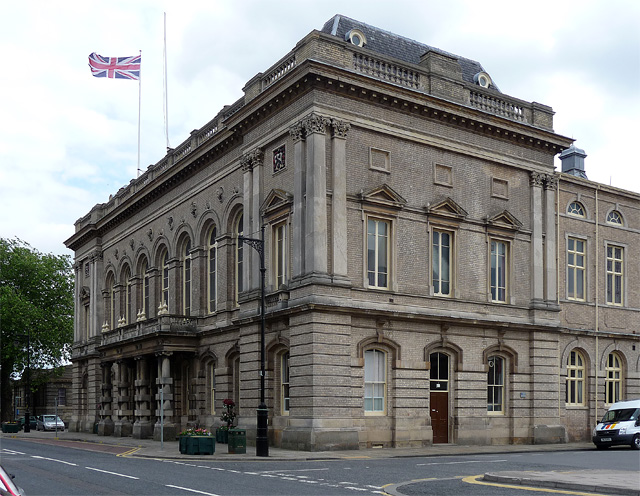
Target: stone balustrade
x=386, y=71
x=279, y=70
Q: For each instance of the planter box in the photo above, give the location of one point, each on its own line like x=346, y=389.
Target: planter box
x=222, y=435
x=197, y=445
x=10, y=428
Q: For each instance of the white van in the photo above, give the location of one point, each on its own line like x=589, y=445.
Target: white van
x=620, y=425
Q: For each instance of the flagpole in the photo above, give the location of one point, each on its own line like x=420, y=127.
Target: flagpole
x=139, y=109
x=166, y=89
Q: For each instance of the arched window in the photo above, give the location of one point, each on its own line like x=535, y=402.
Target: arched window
x=284, y=383
x=576, y=208
x=495, y=384
x=110, y=304
x=375, y=381
x=239, y=257
x=613, y=380
x=164, y=263
x=127, y=295
x=212, y=248
x=614, y=217
x=143, y=302
x=575, y=379
x=186, y=278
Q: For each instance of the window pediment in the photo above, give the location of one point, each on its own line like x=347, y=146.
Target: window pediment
x=276, y=202
x=447, y=209
x=504, y=221
x=385, y=196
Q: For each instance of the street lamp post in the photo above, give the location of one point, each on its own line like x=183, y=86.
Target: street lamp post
x=262, y=438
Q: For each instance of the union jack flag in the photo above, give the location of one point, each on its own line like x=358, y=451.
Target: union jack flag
x=115, y=67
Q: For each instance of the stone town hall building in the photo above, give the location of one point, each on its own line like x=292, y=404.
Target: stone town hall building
x=429, y=277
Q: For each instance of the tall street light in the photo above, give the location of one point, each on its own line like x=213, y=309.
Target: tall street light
x=262, y=438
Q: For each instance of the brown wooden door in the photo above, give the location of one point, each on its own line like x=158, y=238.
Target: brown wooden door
x=440, y=416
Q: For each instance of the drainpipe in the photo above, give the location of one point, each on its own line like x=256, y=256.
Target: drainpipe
x=558, y=293
x=596, y=313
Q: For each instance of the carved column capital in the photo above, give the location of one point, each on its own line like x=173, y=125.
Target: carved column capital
x=315, y=123
x=340, y=128
x=252, y=159
x=297, y=132
x=550, y=182
x=96, y=256
x=536, y=179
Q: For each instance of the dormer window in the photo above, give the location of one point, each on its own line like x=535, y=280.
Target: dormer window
x=356, y=37
x=482, y=79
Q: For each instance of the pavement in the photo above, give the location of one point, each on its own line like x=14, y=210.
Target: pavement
x=588, y=481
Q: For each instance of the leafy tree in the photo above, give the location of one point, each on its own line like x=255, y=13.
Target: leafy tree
x=36, y=306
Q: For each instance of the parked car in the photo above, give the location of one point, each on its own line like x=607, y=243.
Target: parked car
x=33, y=422
x=49, y=423
x=7, y=486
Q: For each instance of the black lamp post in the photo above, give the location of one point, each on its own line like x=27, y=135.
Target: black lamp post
x=262, y=438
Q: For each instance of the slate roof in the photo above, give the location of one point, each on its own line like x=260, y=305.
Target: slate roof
x=396, y=46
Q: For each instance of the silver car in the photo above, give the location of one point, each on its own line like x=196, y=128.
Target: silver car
x=49, y=423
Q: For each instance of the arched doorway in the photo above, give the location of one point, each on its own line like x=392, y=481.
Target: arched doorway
x=439, y=397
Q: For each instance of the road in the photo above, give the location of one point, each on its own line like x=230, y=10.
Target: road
x=45, y=469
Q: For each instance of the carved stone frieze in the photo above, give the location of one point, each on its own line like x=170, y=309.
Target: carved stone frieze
x=170, y=221
x=150, y=234
x=194, y=209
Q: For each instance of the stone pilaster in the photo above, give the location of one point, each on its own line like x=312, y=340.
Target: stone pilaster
x=537, y=253
x=247, y=197
x=339, y=199
x=316, y=196
x=96, y=305
x=257, y=157
x=299, y=189
x=550, y=188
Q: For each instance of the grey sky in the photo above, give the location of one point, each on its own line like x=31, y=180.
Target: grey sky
x=68, y=140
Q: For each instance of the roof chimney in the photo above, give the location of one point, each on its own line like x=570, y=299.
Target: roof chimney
x=573, y=161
